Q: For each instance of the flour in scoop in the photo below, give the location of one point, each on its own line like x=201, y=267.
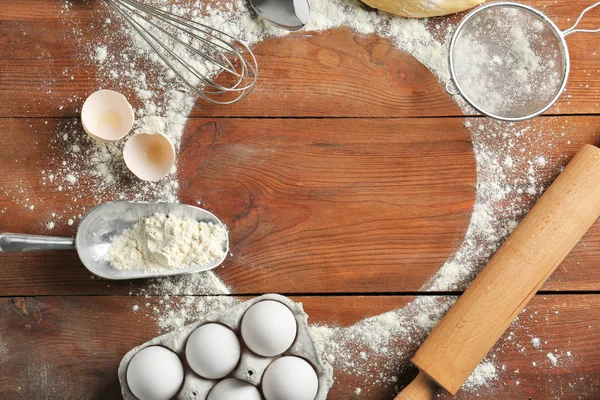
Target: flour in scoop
x=162, y=242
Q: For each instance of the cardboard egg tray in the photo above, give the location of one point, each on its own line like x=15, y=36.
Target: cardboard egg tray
x=251, y=366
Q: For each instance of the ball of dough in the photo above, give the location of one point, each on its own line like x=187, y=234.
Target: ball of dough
x=422, y=8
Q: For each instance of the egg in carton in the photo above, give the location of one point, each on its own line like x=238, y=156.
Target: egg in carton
x=276, y=357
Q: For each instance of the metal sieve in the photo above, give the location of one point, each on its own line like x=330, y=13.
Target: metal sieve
x=510, y=61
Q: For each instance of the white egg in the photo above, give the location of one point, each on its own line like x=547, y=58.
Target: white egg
x=234, y=389
x=290, y=378
x=155, y=373
x=269, y=328
x=107, y=116
x=149, y=155
x=213, y=351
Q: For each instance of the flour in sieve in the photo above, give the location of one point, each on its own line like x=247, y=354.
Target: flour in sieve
x=508, y=62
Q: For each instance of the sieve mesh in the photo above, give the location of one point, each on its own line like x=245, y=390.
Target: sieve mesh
x=509, y=61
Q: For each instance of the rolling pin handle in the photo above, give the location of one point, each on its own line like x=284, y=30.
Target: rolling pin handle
x=421, y=388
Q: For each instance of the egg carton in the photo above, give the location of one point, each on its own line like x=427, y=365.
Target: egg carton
x=251, y=366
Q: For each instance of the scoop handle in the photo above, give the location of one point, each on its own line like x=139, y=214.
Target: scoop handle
x=421, y=388
x=19, y=243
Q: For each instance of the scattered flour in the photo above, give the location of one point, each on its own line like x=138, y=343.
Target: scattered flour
x=553, y=359
x=506, y=186
x=71, y=179
x=3, y=347
x=162, y=104
x=174, y=312
x=483, y=374
x=505, y=192
x=382, y=343
x=101, y=53
x=160, y=242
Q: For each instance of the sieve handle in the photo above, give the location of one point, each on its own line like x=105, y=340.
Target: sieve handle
x=451, y=88
x=574, y=29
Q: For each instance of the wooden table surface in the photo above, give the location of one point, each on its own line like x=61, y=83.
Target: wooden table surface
x=347, y=178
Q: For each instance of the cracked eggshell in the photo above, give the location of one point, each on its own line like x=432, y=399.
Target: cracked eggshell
x=107, y=116
x=149, y=155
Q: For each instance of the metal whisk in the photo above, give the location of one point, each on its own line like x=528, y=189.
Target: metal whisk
x=224, y=69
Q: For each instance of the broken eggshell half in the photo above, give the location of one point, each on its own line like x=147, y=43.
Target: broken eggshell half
x=149, y=155
x=107, y=116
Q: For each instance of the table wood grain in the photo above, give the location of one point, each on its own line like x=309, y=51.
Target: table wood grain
x=347, y=178
x=69, y=347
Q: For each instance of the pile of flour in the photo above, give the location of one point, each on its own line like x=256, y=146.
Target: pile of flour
x=162, y=242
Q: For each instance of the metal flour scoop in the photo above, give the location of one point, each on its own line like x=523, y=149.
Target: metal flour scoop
x=100, y=226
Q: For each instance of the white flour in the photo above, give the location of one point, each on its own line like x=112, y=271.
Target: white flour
x=483, y=374
x=508, y=62
x=174, y=312
x=98, y=170
x=506, y=186
x=160, y=242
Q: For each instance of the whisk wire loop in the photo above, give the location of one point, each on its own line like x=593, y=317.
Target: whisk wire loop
x=181, y=39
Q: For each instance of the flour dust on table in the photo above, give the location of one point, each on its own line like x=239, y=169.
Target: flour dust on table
x=507, y=186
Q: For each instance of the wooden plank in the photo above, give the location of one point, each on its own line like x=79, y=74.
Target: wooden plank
x=334, y=73
x=318, y=200
x=351, y=205
x=70, y=347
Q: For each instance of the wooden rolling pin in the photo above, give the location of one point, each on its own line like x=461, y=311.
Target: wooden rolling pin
x=504, y=287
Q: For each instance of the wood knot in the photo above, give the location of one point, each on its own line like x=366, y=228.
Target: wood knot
x=28, y=308
x=379, y=50
x=328, y=58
